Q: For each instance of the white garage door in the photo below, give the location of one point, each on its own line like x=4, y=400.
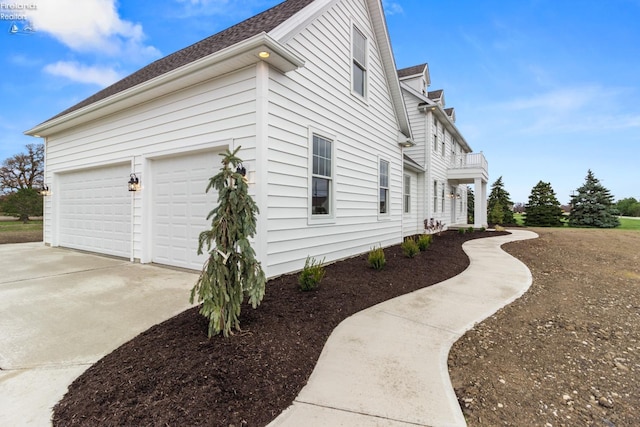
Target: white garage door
x=94, y=208
x=180, y=207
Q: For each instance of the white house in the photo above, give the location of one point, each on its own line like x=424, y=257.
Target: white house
x=308, y=89
x=445, y=162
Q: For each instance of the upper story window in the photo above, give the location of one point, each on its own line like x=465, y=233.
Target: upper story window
x=359, y=54
x=384, y=187
x=435, y=134
x=322, y=176
x=444, y=138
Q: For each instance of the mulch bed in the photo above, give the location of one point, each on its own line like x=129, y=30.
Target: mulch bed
x=173, y=374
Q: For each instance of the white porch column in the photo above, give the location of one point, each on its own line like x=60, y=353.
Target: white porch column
x=480, y=207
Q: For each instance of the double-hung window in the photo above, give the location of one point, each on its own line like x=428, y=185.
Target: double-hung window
x=407, y=194
x=435, y=196
x=384, y=187
x=359, y=72
x=322, y=176
x=435, y=135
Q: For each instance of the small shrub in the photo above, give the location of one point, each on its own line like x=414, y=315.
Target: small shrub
x=410, y=248
x=311, y=275
x=424, y=241
x=376, y=258
x=483, y=229
x=470, y=230
x=461, y=230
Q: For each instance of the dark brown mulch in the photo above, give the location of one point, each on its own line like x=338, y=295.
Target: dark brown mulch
x=173, y=375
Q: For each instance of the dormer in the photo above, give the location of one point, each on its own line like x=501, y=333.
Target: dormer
x=437, y=96
x=417, y=77
x=451, y=113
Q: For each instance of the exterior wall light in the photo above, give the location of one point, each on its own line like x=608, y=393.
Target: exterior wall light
x=264, y=54
x=134, y=182
x=45, y=190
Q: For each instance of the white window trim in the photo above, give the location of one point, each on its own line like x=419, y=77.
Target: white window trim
x=387, y=214
x=365, y=96
x=330, y=218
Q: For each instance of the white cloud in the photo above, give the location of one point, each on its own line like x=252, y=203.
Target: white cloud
x=90, y=25
x=100, y=76
x=392, y=7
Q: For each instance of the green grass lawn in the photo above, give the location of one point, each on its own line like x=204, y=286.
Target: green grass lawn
x=629, y=224
x=7, y=226
x=625, y=223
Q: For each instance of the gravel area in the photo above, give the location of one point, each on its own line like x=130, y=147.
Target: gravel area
x=568, y=352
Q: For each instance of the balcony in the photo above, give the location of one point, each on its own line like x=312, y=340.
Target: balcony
x=466, y=168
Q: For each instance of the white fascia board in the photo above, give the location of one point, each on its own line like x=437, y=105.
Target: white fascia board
x=234, y=57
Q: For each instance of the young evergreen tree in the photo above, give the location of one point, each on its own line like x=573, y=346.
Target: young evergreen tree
x=593, y=206
x=543, y=209
x=499, y=204
x=232, y=272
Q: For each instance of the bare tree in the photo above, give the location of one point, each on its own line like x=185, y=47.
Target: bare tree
x=24, y=170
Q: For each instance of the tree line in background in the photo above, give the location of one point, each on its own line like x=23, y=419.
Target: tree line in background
x=592, y=205
x=21, y=177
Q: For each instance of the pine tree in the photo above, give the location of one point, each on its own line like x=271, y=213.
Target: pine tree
x=499, y=204
x=471, y=206
x=543, y=209
x=232, y=272
x=593, y=206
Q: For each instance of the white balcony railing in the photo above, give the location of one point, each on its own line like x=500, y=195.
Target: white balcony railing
x=470, y=161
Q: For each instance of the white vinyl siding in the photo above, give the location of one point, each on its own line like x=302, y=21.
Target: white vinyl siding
x=319, y=96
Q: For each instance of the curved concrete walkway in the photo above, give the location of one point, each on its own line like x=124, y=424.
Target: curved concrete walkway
x=387, y=365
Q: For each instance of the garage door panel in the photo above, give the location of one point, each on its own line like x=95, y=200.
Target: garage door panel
x=95, y=210
x=180, y=207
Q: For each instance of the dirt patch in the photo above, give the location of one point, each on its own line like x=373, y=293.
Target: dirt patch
x=173, y=375
x=568, y=352
x=20, y=236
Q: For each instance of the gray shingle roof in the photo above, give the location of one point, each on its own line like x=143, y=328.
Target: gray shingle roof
x=435, y=95
x=411, y=71
x=263, y=22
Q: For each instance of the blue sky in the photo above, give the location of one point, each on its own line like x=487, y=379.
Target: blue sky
x=547, y=89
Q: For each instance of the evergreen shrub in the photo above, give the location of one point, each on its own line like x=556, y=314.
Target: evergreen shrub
x=311, y=275
x=376, y=258
x=410, y=248
x=424, y=241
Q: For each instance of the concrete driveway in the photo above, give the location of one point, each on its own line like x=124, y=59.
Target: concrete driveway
x=62, y=310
